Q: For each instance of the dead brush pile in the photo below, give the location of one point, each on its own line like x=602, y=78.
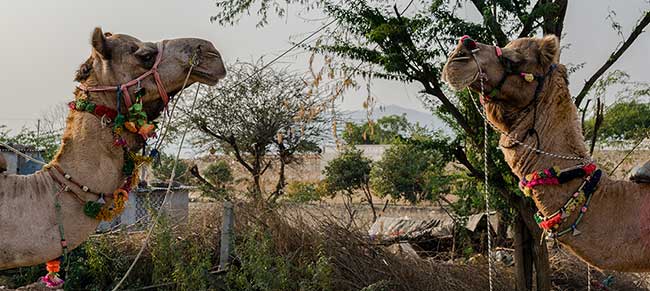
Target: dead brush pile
x=356, y=262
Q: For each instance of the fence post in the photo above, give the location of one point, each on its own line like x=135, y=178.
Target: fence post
x=226, y=235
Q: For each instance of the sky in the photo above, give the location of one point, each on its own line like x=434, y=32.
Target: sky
x=43, y=43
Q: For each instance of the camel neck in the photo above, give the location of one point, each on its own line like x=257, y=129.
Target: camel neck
x=87, y=153
x=558, y=128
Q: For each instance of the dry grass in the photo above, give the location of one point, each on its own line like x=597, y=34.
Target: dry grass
x=356, y=261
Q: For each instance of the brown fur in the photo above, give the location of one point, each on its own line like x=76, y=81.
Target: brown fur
x=27, y=214
x=616, y=228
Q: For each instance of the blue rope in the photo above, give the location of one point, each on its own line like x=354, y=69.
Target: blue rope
x=119, y=97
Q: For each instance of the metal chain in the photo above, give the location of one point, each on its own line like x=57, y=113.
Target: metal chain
x=588, y=277
x=516, y=141
x=487, y=195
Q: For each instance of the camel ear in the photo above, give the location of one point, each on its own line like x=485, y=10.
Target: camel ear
x=549, y=50
x=99, y=43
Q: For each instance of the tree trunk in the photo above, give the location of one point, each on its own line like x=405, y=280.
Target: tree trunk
x=366, y=190
x=347, y=202
x=528, y=253
x=542, y=267
x=279, y=187
x=523, y=257
x=257, y=185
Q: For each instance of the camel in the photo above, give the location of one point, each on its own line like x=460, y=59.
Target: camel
x=614, y=232
x=28, y=221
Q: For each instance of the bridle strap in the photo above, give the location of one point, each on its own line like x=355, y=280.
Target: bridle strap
x=124, y=88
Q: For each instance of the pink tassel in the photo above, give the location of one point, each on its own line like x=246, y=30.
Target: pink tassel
x=51, y=280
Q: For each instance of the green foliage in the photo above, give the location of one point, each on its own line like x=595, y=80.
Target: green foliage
x=384, y=131
x=178, y=260
x=219, y=175
x=348, y=172
x=163, y=169
x=624, y=121
x=304, y=192
x=97, y=263
x=413, y=169
x=261, y=269
x=183, y=262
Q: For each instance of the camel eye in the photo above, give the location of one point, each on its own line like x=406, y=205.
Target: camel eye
x=146, y=57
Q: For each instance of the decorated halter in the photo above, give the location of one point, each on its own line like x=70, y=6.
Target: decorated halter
x=472, y=46
x=124, y=88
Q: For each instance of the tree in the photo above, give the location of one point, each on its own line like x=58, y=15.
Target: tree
x=624, y=121
x=348, y=173
x=412, y=169
x=218, y=176
x=387, y=44
x=383, y=131
x=162, y=169
x=259, y=114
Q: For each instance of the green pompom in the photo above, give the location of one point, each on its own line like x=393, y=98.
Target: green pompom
x=81, y=105
x=91, y=107
x=129, y=166
x=92, y=208
x=119, y=120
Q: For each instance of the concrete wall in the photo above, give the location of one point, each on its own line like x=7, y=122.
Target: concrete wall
x=20, y=165
x=12, y=162
x=141, y=200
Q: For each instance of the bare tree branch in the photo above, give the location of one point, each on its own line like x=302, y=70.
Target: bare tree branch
x=600, y=107
x=613, y=58
x=491, y=21
x=529, y=23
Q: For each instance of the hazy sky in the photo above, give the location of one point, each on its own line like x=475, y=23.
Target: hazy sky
x=43, y=42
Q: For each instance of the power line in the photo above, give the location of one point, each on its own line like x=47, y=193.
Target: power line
x=281, y=55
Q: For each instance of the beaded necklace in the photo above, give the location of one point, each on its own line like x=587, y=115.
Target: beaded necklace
x=582, y=196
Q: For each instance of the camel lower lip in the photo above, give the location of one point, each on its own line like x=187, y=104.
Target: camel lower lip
x=207, y=78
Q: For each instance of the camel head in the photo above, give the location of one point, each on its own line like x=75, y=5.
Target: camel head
x=119, y=58
x=510, y=75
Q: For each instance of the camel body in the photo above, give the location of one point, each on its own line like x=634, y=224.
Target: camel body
x=29, y=226
x=615, y=230
x=28, y=221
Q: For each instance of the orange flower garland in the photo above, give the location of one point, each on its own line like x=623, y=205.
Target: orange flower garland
x=107, y=213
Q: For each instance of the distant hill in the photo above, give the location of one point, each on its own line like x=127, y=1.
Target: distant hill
x=425, y=119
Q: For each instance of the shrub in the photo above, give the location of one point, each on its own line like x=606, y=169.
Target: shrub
x=349, y=172
x=304, y=192
x=412, y=170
